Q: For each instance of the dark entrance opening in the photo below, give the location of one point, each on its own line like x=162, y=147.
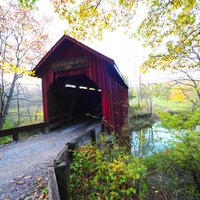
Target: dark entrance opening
x=73, y=97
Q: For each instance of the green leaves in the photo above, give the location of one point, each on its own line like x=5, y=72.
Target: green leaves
x=184, y=120
x=105, y=173
x=171, y=28
x=174, y=170
x=27, y=3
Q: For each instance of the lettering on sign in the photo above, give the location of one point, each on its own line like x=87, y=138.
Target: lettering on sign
x=69, y=64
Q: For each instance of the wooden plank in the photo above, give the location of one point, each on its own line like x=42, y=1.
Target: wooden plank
x=52, y=185
x=63, y=179
x=17, y=130
x=59, y=171
x=62, y=155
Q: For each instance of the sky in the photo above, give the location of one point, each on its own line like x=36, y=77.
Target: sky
x=128, y=53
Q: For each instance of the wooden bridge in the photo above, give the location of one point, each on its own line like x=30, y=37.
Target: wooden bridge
x=79, y=81
x=79, y=85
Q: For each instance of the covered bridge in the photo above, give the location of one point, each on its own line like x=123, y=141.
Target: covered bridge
x=79, y=81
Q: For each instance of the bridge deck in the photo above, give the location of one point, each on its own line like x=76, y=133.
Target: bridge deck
x=23, y=162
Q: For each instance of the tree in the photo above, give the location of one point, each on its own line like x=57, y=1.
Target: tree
x=171, y=27
x=28, y=3
x=22, y=43
x=172, y=30
x=188, y=85
x=176, y=93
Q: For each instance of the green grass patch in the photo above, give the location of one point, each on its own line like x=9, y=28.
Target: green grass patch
x=5, y=139
x=159, y=104
x=170, y=105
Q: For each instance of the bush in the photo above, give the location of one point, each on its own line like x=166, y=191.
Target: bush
x=5, y=139
x=170, y=175
x=107, y=172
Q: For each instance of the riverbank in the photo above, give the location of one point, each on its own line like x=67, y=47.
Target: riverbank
x=137, y=122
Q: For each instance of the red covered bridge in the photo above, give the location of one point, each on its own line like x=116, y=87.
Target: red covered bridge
x=79, y=81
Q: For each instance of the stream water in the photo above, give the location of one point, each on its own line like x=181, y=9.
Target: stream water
x=150, y=140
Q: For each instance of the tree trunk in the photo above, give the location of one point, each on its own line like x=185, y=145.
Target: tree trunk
x=8, y=101
x=27, y=104
x=18, y=108
x=140, y=89
x=196, y=180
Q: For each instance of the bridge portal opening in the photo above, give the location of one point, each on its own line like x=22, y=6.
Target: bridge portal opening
x=74, y=97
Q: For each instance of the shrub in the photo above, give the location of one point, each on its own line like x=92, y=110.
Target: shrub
x=107, y=172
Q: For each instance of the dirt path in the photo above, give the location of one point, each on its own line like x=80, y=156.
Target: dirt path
x=23, y=162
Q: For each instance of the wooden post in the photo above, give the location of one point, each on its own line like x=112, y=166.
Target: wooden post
x=15, y=136
x=45, y=128
x=71, y=147
x=93, y=136
x=52, y=185
x=63, y=179
x=102, y=127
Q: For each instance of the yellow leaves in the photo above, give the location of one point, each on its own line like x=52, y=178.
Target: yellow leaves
x=122, y=2
x=12, y=68
x=28, y=28
x=126, y=3
x=87, y=19
x=143, y=69
x=69, y=20
x=31, y=73
x=108, y=16
x=176, y=94
x=67, y=1
x=117, y=166
x=71, y=1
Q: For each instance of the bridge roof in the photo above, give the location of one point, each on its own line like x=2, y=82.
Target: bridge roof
x=108, y=60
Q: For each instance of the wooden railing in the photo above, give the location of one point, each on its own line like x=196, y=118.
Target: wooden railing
x=59, y=170
x=15, y=131
x=52, y=124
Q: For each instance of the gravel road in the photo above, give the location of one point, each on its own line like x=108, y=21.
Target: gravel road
x=23, y=162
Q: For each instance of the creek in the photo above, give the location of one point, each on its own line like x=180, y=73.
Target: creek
x=148, y=141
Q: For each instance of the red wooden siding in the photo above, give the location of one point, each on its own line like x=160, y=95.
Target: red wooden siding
x=100, y=70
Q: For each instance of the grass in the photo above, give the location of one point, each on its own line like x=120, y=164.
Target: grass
x=11, y=121
x=170, y=105
x=5, y=140
x=24, y=118
x=160, y=104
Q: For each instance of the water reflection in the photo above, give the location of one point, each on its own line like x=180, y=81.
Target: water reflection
x=149, y=140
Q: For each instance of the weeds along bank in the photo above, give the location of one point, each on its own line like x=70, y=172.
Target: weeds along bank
x=109, y=171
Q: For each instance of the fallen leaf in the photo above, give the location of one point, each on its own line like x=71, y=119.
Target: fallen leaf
x=40, y=185
x=39, y=179
x=41, y=197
